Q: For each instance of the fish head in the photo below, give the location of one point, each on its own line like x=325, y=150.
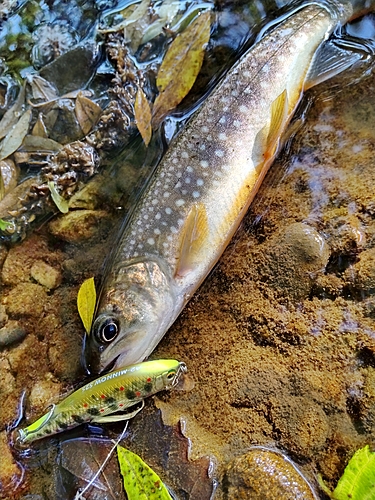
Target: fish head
x=170, y=373
x=133, y=315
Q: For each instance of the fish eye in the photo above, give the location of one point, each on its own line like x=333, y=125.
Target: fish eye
x=108, y=331
x=171, y=374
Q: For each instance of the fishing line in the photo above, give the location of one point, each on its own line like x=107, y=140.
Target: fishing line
x=79, y=494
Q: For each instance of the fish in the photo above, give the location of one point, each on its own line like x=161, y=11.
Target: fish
x=97, y=401
x=204, y=184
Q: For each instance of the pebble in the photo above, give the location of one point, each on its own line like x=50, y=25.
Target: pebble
x=44, y=392
x=11, y=333
x=294, y=257
x=26, y=299
x=45, y=275
x=263, y=474
x=77, y=225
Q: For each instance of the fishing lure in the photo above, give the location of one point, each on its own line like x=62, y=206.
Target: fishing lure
x=99, y=399
x=205, y=183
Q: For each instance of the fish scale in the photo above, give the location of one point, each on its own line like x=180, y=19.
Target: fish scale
x=202, y=189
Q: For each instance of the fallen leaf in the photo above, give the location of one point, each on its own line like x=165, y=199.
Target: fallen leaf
x=358, y=480
x=59, y=201
x=140, y=481
x=36, y=143
x=39, y=128
x=180, y=66
x=166, y=450
x=42, y=89
x=87, y=113
x=4, y=225
x=14, y=138
x=142, y=114
x=86, y=300
x=11, y=117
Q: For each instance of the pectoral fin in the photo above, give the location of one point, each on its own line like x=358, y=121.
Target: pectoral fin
x=194, y=235
x=267, y=138
x=117, y=418
x=329, y=61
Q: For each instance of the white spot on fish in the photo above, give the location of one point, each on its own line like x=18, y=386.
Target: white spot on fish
x=154, y=201
x=196, y=194
x=237, y=123
x=187, y=180
x=173, y=229
x=184, y=154
x=205, y=129
x=219, y=153
x=157, y=231
x=243, y=109
x=246, y=74
x=223, y=120
x=158, y=216
x=145, y=217
x=189, y=169
x=166, y=194
x=178, y=185
x=168, y=211
x=234, y=93
x=202, y=147
x=203, y=163
x=151, y=241
x=223, y=136
x=200, y=182
x=180, y=202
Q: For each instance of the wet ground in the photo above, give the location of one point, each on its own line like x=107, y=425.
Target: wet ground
x=279, y=340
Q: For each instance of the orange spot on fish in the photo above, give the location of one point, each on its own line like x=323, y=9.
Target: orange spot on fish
x=101, y=409
x=138, y=394
x=85, y=405
x=148, y=379
x=121, y=405
x=102, y=396
x=121, y=388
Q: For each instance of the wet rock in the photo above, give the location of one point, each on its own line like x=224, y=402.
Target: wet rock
x=11, y=473
x=45, y=274
x=293, y=259
x=361, y=276
x=7, y=380
x=72, y=70
x=26, y=299
x=78, y=225
x=11, y=333
x=52, y=40
x=262, y=474
x=44, y=393
x=61, y=122
x=20, y=259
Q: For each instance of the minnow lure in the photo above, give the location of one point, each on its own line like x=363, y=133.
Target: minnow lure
x=111, y=393
x=204, y=185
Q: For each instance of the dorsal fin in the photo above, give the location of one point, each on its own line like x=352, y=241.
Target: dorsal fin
x=194, y=233
x=267, y=138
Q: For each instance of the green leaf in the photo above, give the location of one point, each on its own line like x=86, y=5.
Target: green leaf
x=5, y=225
x=140, y=481
x=86, y=300
x=358, y=480
x=59, y=201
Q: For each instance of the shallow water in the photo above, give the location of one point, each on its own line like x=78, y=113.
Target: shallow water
x=279, y=340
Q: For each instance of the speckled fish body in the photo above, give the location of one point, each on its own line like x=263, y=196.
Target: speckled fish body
x=113, y=392
x=202, y=189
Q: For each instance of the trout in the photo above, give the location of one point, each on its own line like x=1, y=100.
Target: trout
x=98, y=400
x=205, y=183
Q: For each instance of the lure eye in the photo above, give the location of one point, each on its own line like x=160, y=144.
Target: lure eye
x=171, y=375
x=108, y=331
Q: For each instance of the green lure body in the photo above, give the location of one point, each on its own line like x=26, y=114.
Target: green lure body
x=114, y=392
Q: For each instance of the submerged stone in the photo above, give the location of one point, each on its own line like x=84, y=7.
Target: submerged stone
x=263, y=474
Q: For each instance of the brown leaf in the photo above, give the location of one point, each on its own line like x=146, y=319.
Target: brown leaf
x=42, y=89
x=181, y=66
x=142, y=113
x=14, y=138
x=12, y=115
x=39, y=128
x=165, y=449
x=87, y=113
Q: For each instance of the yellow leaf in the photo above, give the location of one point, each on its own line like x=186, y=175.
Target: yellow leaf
x=86, y=300
x=181, y=66
x=142, y=114
x=87, y=112
x=140, y=481
x=59, y=201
